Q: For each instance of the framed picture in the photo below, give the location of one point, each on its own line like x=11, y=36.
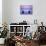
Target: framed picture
x=26, y=9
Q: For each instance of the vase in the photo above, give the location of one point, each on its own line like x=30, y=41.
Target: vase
x=2, y=40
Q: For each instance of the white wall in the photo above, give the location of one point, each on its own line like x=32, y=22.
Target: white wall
x=0, y=13
x=4, y=11
x=12, y=11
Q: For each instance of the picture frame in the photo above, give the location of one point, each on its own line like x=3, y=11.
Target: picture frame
x=26, y=9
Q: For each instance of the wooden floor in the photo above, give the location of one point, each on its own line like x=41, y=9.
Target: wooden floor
x=42, y=45
x=1, y=45
x=32, y=45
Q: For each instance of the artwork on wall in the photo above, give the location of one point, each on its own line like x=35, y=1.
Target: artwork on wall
x=26, y=9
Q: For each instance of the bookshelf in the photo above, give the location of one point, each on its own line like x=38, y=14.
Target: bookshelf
x=18, y=29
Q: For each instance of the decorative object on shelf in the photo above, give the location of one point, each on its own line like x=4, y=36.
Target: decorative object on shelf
x=42, y=23
x=23, y=23
x=35, y=21
x=41, y=28
x=28, y=34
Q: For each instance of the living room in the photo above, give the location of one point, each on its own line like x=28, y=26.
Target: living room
x=15, y=13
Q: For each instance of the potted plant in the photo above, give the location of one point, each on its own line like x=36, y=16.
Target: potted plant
x=3, y=34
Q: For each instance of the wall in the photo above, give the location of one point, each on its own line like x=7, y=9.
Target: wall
x=0, y=13
x=12, y=11
x=4, y=11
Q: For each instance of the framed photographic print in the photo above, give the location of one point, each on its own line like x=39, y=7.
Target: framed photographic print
x=26, y=9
